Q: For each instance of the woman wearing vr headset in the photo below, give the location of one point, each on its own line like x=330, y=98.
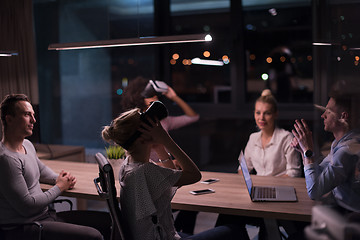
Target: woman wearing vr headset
x=141, y=93
x=146, y=188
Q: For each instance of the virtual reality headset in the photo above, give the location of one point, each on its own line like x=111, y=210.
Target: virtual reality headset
x=154, y=88
x=156, y=110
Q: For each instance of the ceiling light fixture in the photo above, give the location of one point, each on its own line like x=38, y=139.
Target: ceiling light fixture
x=132, y=42
x=8, y=53
x=321, y=44
x=207, y=62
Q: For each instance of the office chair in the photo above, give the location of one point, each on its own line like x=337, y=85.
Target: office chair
x=13, y=226
x=329, y=224
x=105, y=186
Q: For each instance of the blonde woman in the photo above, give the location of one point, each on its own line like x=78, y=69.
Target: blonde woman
x=147, y=188
x=268, y=151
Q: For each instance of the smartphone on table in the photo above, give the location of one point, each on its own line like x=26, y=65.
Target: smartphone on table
x=210, y=180
x=202, y=191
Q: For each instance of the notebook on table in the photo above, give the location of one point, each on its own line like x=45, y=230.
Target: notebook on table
x=266, y=193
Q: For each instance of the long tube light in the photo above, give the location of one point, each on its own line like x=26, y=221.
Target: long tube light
x=321, y=44
x=132, y=42
x=8, y=53
x=207, y=62
x=333, y=44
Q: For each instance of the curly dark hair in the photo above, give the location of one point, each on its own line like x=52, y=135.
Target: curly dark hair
x=132, y=97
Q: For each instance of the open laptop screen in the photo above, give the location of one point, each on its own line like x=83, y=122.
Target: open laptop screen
x=245, y=172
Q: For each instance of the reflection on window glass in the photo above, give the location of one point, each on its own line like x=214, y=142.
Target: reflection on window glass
x=127, y=63
x=88, y=83
x=278, y=46
x=345, y=38
x=200, y=72
x=200, y=5
x=278, y=42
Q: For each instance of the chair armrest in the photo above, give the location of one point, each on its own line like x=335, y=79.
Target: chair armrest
x=101, y=193
x=9, y=226
x=12, y=226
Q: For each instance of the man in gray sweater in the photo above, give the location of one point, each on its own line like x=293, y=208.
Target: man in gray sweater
x=21, y=197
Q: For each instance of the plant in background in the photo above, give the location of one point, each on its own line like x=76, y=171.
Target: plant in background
x=115, y=152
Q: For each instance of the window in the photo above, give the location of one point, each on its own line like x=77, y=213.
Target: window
x=279, y=51
x=80, y=90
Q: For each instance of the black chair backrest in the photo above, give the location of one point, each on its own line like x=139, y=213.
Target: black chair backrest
x=105, y=185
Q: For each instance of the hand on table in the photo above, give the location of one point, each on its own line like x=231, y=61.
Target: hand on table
x=65, y=181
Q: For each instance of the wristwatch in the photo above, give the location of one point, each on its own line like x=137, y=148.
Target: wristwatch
x=308, y=154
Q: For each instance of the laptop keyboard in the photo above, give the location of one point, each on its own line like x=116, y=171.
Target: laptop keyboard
x=266, y=192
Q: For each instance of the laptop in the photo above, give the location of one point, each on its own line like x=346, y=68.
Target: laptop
x=266, y=193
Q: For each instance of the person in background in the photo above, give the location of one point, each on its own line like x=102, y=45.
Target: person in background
x=21, y=171
x=334, y=180
x=147, y=188
x=268, y=151
x=282, y=74
x=140, y=93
